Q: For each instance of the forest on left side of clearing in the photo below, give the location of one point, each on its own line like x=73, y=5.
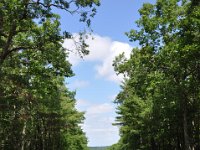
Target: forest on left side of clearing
x=37, y=110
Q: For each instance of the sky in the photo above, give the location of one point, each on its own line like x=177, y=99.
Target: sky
x=95, y=82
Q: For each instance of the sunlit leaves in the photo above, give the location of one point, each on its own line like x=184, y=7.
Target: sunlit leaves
x=159, y=100
x=37, y=110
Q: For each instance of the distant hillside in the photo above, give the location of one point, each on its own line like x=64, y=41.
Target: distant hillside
x=98, y=148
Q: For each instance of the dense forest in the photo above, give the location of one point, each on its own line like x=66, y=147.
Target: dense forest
x=158, y=106
x=37, y=111
x=159, y=103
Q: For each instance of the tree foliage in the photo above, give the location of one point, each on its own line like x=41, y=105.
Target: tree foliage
x=37, y=111
x=160, y=98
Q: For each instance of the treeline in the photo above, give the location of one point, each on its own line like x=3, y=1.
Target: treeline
x=159, y=103
x=37, y=111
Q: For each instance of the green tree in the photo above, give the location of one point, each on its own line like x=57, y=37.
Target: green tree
x=37, y=110
x=159, y=102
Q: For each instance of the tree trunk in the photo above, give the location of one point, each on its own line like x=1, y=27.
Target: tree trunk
x=185, y=126
x=23, y=136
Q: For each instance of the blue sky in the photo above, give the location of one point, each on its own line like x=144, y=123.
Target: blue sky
x=95, y=81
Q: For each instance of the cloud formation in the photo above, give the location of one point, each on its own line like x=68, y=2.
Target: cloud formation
x=103, y=51
x=100, y=109
x=77, y=84
x=105, y=68
x=99, y=116
x=98, y=124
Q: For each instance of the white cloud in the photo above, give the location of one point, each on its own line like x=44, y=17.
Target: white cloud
x=100, y=109
x=98, y=47
x=82, y=104
x=98, y=123
x=99, y=129
x=105, y=69
x=99, y=116
x=77, y=84
x=102, y=51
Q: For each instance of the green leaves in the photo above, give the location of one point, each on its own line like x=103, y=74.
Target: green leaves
x=36, y=108
x=156, y=104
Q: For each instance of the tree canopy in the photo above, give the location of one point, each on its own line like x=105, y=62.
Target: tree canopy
x=37, y=111
x=159, y=102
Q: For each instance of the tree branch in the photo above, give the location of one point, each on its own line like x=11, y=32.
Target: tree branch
x=55, y=5
x=4, y=55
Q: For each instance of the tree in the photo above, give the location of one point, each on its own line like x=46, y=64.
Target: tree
x=18, y=17
x=159, y=101
x=37, y=110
